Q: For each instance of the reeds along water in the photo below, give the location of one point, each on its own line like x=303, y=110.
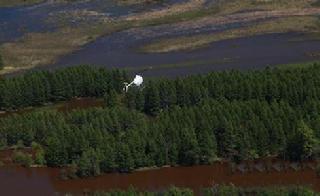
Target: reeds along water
x=272, y=165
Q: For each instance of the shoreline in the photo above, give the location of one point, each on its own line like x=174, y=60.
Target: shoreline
x=281, y=22
x=24, y=55
x=263, y=164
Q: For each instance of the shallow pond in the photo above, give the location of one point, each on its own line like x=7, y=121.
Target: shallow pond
x=17, y=21
x=120, y=50
x=46, y=181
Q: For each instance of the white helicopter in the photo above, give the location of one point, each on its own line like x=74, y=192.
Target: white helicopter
x=138, y=80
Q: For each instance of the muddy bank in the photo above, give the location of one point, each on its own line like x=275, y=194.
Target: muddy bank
x=7, y=154
x=39, y=181
x=67, y=106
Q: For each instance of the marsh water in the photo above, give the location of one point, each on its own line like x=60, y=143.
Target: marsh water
x=17, y=21
x=120, y=50
x=46, y=181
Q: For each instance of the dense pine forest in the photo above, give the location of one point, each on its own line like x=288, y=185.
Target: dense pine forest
x=194, y=120
x=40, y=87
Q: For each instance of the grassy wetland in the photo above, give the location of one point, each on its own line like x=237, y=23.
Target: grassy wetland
x=11, y=3
x=226, y=92
x=35, y=49
x=282, y=25
x=25, y=53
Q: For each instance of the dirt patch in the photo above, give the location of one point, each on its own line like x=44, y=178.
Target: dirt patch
x=43, y=48
x=172, y=10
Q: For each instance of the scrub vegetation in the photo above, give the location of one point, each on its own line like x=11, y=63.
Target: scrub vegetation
x=195, y=120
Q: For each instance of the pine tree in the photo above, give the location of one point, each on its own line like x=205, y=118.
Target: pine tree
x=89, y=163
x=302, y=144
x=111, y=98
x=109, y=154
x=152, y=100
x=139, y=100
x=56, y=154
x=167, y=95
x=207, y=142
x=1, y=62
x=124, y=157
x=189, y=152
x=130, y=98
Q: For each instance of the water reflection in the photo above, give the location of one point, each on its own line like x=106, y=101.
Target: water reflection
x=46, y=181
x=20, y=20
x=118, y=50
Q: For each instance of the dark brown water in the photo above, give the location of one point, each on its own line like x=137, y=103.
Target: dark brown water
x=67, y=106
x=80, y=103
x=45, y=181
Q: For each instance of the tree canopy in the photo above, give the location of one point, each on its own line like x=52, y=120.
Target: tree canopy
x=194, y=120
